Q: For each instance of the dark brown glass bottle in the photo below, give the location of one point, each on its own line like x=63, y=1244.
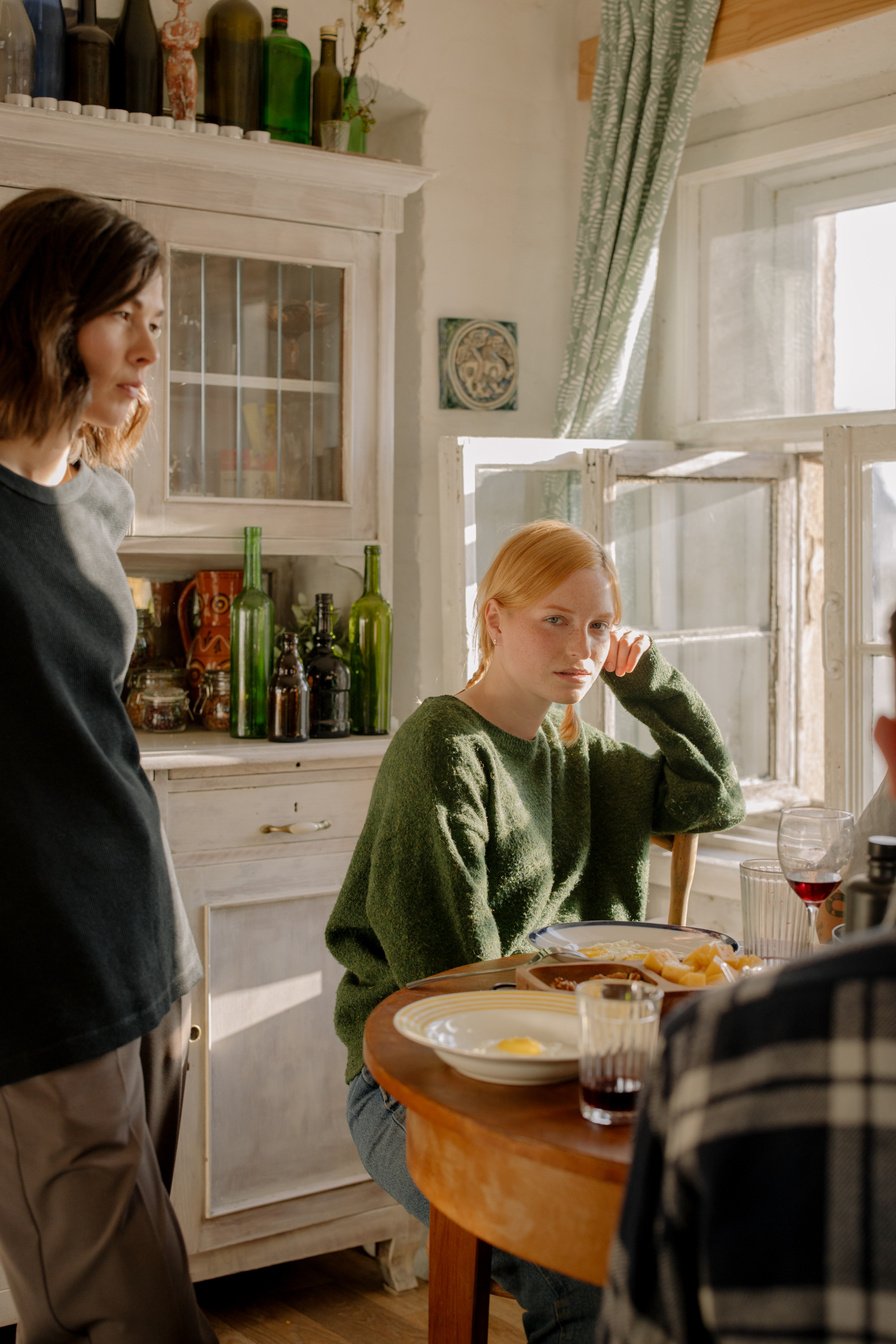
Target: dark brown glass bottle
x=87, y=55
x=288, y=694
x=326, y=86
x=136, y=73
x=234, y=57
x=328, y=677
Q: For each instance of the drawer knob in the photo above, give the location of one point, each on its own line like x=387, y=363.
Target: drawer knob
x=298, y=828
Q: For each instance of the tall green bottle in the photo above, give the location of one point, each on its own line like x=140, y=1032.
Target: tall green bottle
x=370, y=653
x=287, y=83
x=251, y=646
x=234, y=57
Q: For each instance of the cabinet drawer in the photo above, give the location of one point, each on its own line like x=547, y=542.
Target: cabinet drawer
x=217, y=819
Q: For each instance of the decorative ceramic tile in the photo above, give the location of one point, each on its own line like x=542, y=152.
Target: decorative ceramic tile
x=478, y=364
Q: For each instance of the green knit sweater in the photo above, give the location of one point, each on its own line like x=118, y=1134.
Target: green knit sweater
x=474, y=837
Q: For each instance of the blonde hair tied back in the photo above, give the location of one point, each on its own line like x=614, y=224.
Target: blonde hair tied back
x=531, y=562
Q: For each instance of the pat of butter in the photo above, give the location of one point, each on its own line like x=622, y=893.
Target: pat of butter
x=520, y=1045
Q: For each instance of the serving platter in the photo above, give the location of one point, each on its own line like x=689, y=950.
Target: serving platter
x=617, y=939
x=466, y=1031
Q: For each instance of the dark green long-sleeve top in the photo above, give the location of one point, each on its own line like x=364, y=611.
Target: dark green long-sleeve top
x=475, y=837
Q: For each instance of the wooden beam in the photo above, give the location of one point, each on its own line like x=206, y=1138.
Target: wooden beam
x=748, y=25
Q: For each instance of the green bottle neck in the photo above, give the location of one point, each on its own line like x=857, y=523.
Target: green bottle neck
x=252, y=557
x=372, y=571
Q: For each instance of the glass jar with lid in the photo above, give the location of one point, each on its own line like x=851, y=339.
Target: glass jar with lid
x=214, y=700
x=152, y=679
x=165, y=709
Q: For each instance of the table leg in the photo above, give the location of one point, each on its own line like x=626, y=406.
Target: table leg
x=459, y=1278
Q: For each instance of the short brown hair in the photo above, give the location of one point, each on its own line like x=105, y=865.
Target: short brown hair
x=64, y=260
x=533, y=561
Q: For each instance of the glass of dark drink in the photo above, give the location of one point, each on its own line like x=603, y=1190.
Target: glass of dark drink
x=618, y=1028
x=814, y=849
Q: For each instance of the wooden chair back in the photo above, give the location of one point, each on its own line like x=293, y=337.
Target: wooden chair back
x=681, y=876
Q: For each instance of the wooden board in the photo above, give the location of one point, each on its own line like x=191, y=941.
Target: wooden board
x=747, y=25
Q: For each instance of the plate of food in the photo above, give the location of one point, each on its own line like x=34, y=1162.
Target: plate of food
x=711, y=963
x=624, y=940
x=514, y=1036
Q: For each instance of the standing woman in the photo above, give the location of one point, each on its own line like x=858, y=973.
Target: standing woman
x=495, y=813
x=96, y=956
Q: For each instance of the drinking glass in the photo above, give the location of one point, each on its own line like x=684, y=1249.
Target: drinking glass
x=814, y=849
x=618, y=1027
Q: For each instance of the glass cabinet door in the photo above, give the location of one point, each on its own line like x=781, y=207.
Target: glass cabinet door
x=255, y=378
x=266, y=398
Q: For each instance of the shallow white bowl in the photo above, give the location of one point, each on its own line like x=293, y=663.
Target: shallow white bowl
x=464, y=1030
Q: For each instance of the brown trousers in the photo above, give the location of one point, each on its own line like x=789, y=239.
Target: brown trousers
x=88, y=1238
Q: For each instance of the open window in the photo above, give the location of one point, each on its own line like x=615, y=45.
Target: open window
x=705, y=544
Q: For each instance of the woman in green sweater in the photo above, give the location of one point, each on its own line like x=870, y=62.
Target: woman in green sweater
x=494, y=813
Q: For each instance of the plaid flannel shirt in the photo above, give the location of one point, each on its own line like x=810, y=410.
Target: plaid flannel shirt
x=762, y=1199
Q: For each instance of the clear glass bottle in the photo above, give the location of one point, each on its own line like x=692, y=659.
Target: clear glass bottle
x=370, y=652
x=234, y=57
x=326, y=86
x=251, y=646
x=88, y=50
x=288, y=694
x=287, y=83
x=328, y=677
x=16, y=49
x=48, y=21
x=136, y=72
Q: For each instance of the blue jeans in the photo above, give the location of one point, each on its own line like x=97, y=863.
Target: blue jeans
x=557, y=1309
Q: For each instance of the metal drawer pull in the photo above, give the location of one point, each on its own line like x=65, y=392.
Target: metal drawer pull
x=298, y=828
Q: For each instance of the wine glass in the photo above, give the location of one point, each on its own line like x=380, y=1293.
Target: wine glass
x=814, y=848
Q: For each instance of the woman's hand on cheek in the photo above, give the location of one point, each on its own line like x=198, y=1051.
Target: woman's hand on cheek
x=627, y=647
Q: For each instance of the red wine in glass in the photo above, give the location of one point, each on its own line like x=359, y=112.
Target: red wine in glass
x=619, y=1095
x=813, y=887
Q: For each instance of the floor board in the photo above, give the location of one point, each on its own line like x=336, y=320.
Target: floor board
x=329, y=1299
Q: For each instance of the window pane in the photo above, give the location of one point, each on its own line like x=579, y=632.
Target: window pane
x=508, y=497
x=256, y=381
x=883, y=549
x=694, y=554
x=732, y=675
x=797, y=310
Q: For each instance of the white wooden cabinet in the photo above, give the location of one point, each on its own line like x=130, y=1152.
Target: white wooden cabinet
x=267, y=1170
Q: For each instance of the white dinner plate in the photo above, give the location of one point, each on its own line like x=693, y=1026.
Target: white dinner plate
x=570, y=940
x=464, y=1030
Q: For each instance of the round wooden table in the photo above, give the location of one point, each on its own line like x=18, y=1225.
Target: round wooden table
x=514, y=1167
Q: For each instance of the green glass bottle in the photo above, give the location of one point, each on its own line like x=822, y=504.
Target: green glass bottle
x=287, y=83
x=251, y=646
x=234, y=57
x=370, y=652
x=326, y=86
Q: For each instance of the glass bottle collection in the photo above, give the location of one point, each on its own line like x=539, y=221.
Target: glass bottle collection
x=251, y=81
x=331, y=696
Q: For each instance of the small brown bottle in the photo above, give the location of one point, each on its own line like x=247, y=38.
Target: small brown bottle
x=288, y=694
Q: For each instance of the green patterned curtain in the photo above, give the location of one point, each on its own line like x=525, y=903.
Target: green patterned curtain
x=650, y=57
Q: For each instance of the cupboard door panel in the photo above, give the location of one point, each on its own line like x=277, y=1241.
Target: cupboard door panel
x=275, y=1084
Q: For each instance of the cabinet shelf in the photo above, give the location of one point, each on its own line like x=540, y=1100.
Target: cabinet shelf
x=249, y=382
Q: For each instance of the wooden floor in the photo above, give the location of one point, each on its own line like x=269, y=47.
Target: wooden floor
x=331, y=1299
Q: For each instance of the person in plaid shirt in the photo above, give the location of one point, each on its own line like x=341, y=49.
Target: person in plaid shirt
x=761, y=1202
